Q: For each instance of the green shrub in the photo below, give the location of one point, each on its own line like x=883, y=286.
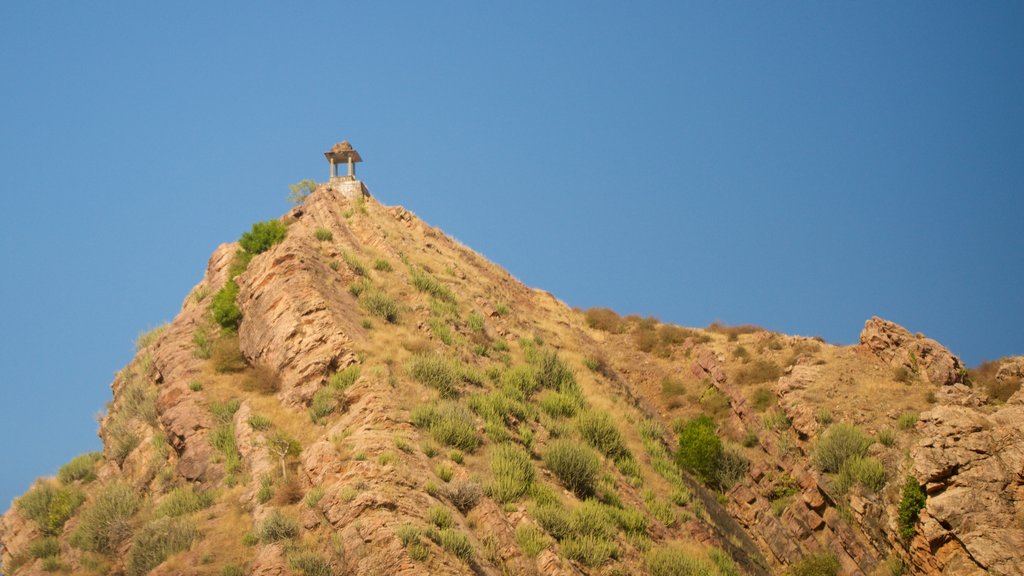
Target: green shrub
x=378, y=303
x=823, y=417
x=863, y=470
x=224, y=307
x=838, y=443
x=310, y=564
x=497, y=407
x=816, y=565
x=559, y=405
x=325, y=401
x=43, y=547
x=444, y=472
x=554, y=374
x=907, y=420
x=531, y=541
x=553, y=519
x=886, y=437
x=599, y=431
x=513, y=473
x=453, y=425
x=700, y=448
x=903, y=375
x=591, y=551
x=674, y=561
x=441, y=330
x=345, y=378
x=259, y=422
x=592, y=518
x=157, y=541
x=912, y=500
x=438, y=372
x=424, y=282
x=440, y=516
x=195, y=386
x=106, y=521
x=262, y=236
x=407, y=534
x=576, y=466
x=80, y=468
x=323, y=234
x=184, y=500
x=50, y=505
x=453, y=541
x=381, y=265
x=277, y=527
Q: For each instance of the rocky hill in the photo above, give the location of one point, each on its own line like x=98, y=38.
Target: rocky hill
x=350, y=391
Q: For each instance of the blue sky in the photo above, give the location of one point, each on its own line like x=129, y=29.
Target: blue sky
x=802, y=166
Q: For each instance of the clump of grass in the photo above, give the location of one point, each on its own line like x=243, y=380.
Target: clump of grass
x=559, y=405
x=441, y=330
x=513, y=473
x=866, y=471
x=195, y=386
x=886, y=437
x=907, y=420
x=344, y=378
x=184, y=500
x=259, y=422
x=323, y=234
x=576, y=466
x=378, y=303
x=449, y=423
x=444, y=472
x=823, y=416
x=424, y=282
x=106, y=521
x=762, y=398
x=454, y=542
x=157, y=541
x=530, y=540
x=838, y=443
x=278, y=527
x=438, y=372
x=80, y=468
x=600, y=432
x=382, y=265
x=591, y=551
x=227, y=356
x=675, y=561
x=50, y=505
x=310, y=564
x=440, y=516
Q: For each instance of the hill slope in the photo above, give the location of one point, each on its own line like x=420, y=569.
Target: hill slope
x=351, y=391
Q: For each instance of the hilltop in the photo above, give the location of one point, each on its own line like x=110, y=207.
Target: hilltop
x=349, y=390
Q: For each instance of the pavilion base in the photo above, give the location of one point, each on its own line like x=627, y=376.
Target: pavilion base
x=349, y=187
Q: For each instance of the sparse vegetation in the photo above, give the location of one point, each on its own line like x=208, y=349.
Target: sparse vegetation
x=591, y=551
x=157, y=541
x=907, y=420
x=676, y=561
x=378, y=303
x=106, y=521
x=758, y=371
x=184, y=500
x=148, y=337
x=80, y=468
x=576, y=466
x=278, y=527
x=816, y=565
x=838, y=443
x=227, y=357
x=866, y=471
x=454, y=542
x=298, y=192
x=382, y=265
x=310, y=563
x=49, y=505
x=463, y=494
x=424, y=282
x=323, y=234
x=531, y=541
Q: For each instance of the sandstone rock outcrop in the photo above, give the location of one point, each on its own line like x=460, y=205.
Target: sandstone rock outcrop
x=972, y=467
x=900, y=349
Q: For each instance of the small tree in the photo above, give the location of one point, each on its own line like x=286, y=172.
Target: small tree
x=700, y=449
x=298, y=192
x=282, y=445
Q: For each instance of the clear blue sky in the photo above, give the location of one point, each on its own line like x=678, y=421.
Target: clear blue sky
x=798, y=165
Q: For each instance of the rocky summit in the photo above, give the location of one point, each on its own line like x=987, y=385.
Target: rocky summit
x=350, y=391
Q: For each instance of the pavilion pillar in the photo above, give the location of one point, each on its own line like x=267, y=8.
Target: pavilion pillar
x=351, y=168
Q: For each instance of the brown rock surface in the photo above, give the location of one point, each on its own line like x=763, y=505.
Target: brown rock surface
x=899, y=348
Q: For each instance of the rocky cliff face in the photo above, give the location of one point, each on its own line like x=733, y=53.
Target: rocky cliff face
x=391, y=402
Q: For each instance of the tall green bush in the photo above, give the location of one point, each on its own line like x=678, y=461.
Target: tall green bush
x=262, y=236
x=700, y=449
x=912, y=500
x=838, y=443
x=575, y=465
x=106, y=521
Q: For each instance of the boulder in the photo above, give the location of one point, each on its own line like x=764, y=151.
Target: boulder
x=900, y=349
